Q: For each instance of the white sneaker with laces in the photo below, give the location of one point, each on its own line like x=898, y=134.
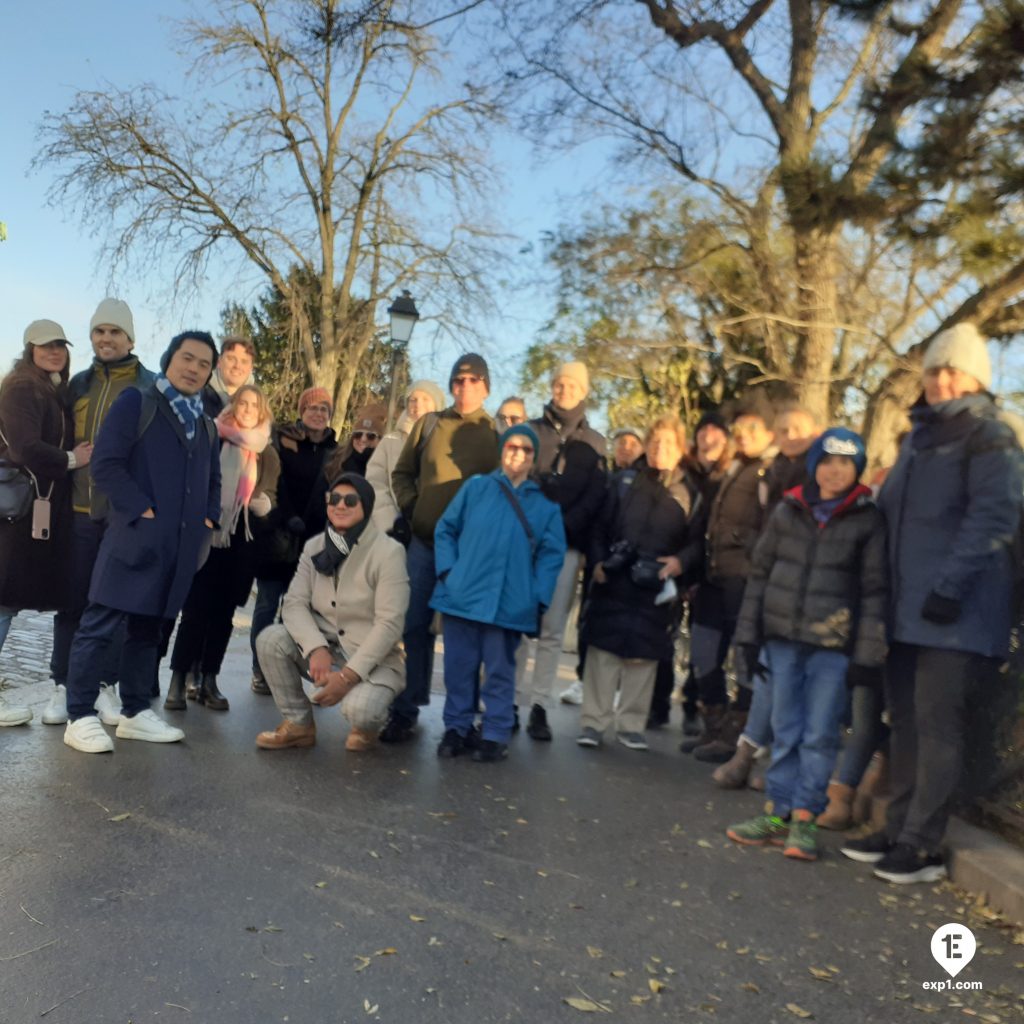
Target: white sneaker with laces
x=149, y=726
x=13, y=714
x=56, y=712
x=108, y=705
x=572, y=694
x=88, y=736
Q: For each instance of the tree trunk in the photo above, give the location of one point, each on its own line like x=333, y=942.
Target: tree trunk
x=817, y=302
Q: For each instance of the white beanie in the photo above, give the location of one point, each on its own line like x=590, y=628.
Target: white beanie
x=116, y=312
x=574, y=371
x=963, y=348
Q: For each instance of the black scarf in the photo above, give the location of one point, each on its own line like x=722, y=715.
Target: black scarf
x=569, y=419
x=337, y=547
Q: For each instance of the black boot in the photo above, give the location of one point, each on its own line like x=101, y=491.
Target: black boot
x=176, y=693
x=210, y=695
x=537, y=728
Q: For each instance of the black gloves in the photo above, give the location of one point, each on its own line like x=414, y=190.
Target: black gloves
x=940, y=610
x=401, y=531
x=862, y=675
x=748, y=653
x=296, y=525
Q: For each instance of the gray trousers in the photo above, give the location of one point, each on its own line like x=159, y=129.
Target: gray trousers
x=365, y=705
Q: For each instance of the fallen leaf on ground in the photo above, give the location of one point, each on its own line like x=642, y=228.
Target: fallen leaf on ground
x=655, y=986
x=617, y=974
x=639, y=1000
x=418, y=920
x=368, y=1008
x=705, y=844
x=594, y=953
x=749, y=986
x=389, y=951
x=799, y=1011
x=499, y=936
x=543, y=874
x=820, y=973
x=364, y=962
x=120, y=817
x=320, y=885
x=583, y=1005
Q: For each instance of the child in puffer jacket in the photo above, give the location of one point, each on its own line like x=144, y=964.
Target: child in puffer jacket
x=814, y=608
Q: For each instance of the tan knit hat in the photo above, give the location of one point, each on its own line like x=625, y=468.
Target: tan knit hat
x=574, y=371
x=116, y=312
x=963, y=348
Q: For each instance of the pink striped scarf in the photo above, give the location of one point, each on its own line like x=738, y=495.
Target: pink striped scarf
x=239, y=467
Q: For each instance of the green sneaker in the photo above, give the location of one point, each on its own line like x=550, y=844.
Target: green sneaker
x=802, y=843
x=765, y=830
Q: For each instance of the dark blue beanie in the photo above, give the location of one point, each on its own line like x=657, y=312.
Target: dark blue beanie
x=176, y=342
x=527, y=431
x=837, y=441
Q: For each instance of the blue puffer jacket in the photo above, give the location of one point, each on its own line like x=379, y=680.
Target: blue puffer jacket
x=952, y=505
x=482, y=555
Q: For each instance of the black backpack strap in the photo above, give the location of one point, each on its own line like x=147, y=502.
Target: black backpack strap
x=520, y=514
x=147, y=413
x=428, y=429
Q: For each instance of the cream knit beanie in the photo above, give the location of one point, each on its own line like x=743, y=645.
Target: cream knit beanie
x=116, y=312
x=574, y=371
x=963, y=348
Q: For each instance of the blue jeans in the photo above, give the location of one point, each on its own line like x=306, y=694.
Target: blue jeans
x=758, y=729
x=419, y=641
x=467, y=646
x=99, y=628
x=6, y=615
x=868, y=733
x=808, y=700
x=86, y=534
x=264, y=613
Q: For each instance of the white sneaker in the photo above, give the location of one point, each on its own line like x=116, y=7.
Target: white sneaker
x=108, y=705
x=13, y=714
x=56, y=712
x=572, y=694
x=149, y=726
x=88, y=736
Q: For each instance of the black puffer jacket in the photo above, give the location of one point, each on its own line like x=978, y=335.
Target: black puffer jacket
x=621, y=617
x=570, y=468
x=820, y=584
x=736, y=517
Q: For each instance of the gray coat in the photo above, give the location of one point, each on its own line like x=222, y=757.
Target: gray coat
x=953, y=504
x=820, y=584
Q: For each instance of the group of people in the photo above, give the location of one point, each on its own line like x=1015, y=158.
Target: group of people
x=155, y=498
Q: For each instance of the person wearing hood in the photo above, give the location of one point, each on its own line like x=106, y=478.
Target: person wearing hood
x=499, y=549
x=93, y=391
x=342, y=625
x=37, y=452
x=302, y=447
x=234, y=368
x=249, y=472
x=570, y=468
x=156, y=462
x=814, y=608
x=953, y=506
x=423, y=396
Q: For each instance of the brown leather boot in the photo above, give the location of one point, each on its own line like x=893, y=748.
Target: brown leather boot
x=360, y=739
x=736, y=771
x=713, y=716
x=874, y=782
x=723, y=746
x=839, y=813
x=287, y=734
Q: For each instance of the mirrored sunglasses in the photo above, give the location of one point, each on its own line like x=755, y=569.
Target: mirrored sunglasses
x=348, y=499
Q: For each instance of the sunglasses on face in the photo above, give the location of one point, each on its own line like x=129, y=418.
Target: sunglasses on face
x=524, y=448
x=514, y=420
x=368, y=435
x=348, y=499
x=463, y=381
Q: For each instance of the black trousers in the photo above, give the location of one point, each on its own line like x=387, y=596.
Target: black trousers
x=204, y=630
x=940, y=703
x=716, y=610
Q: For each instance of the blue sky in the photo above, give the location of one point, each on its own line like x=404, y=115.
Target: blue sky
x=48, y=265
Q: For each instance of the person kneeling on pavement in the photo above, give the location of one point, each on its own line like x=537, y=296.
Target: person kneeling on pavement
x=498, y=550
x=814, y=608
x=342, y=622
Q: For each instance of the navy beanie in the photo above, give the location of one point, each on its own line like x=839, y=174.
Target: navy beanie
x=179, y=339
x=837, y=441
x=527, y=431
x=362, y=487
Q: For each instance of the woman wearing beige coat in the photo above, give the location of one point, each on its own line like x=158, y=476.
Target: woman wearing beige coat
x=342, y=626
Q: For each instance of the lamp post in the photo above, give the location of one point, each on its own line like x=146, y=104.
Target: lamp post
x=404, y=314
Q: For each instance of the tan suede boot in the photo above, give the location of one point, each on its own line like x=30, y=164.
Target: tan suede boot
x=359, y=740
x=874, y=782
x=735, y=772
x=839, y=813
x=287, y=734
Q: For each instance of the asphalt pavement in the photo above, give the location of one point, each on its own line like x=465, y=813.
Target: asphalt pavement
x=209, y=881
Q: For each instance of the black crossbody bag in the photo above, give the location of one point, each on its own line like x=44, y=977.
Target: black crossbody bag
x=521, y=516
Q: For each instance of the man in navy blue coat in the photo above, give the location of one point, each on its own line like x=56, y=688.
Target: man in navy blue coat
x=157, y=461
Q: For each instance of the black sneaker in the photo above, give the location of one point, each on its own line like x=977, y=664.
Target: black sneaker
x=537, y=728
x=472, y=739
x=869, y=850
x=490, y=750
x=259, y=685
x=905, y=864
x=398, y=729
x=452, y=744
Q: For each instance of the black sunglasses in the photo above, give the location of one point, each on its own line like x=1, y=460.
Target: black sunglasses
x=358, y=435
x=348, y=499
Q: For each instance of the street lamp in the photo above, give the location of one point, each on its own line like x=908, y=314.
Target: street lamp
x=404, y=314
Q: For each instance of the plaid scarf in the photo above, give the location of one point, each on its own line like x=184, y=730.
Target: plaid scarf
x=188, y=408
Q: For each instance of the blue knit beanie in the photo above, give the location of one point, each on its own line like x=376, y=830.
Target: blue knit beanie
x=527, y=431
x=837, y=441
